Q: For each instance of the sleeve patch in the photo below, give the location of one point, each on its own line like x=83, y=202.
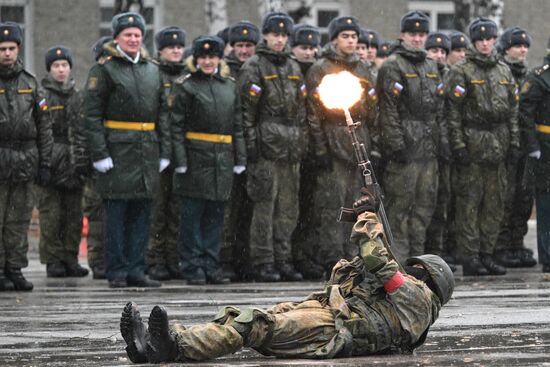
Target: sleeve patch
x=397, y=88
x=440, y=89
x=92, y=83
x=43, y=104
x=303, y=90
x=254, y=90
x=372, y=94
x=525, y=88
x=459, y=91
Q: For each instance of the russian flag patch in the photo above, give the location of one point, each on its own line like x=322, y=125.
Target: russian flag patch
x=440, y=89
x=459, y=91
x=254, y=90
x=43, y=104
x=372, y=94
x=397, y=88
x=303, y=90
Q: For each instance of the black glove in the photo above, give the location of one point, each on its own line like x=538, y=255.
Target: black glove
x=514, y=154
x=400, y=156
x=252, y=154
x=323, y=161
x=461, y=156
x=44, y=176
x=445, y=154
x=367, y=203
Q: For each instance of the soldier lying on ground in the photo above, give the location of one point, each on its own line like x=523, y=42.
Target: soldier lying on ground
x=367, y=307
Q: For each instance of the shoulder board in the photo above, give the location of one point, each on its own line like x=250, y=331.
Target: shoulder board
x=231, y=78
x=181, y=79
x=29, y=73
x=103, y=59
x=541, y=69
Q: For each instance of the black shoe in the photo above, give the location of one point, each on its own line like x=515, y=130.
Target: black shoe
x=473, y=266
x=135, y=334
x=217, y=277
x=99, y=272
x=118, y=283
x=76, y=270
x=175, y=271
x=5, y=283
x=492, y=267
x=265, y=273
x=288, y=273
x=162, y=346
x=195, y=277
x=159, y=272
x=144, y=282
x=526, y=258
x=18, y=280
x=507, y=258
x=56, y=270
x=310, y=270
x=546, y=268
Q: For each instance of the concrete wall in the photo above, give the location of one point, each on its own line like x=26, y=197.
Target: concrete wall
x=380, y=15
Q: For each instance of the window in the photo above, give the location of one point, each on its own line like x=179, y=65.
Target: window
x=18, y=11
x=148, y=12
x=441, y=13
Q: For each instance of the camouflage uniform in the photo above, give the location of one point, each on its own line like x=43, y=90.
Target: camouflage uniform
x=60, y=201
x=410, y=91
x=338, y=181
x=482, y=119
x=273, y=95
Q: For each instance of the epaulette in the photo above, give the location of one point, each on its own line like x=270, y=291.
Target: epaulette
x=541, y=69
x=103, y=59
x=182, y=78
x=29, y=73
x=231, y=78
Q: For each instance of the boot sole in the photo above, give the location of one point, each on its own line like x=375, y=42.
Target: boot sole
x=127, y=331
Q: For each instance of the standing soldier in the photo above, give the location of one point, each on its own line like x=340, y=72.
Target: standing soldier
x=125, y=124
x=337, y=178
x=367, y=45
x=234, y=253
x=162, y=254
x=384, y=50
x=209, y=148
x=483, y=130
x=273, y=93
x=510, y=252
x=60, y=203
x=305, y=42
x=459, y=44
x=25, y=155
x=410, y=90
x=534, y=113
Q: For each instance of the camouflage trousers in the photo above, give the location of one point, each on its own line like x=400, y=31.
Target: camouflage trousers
x=60, y=225
x=411, y=194
x=92, y=206
x=480, y=191
x=436, y=234
x=299, y=330
x=163, y=242
x=518, y=206
x=15, y=216
x=336, y=187
x=273, y=188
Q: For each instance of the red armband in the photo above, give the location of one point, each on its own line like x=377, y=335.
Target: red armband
x=394, y=283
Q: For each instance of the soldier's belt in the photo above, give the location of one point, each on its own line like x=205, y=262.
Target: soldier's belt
x=212, y=138
x=543, y=129
x=129, y=125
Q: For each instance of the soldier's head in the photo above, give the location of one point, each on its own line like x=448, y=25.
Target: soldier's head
x=344, y=33
x=97, y=48
x=170, y=42
x=514, y=43
x=243, y=37
x=224, y=35
x=459, y=43
x=128, y=30
x=207, y=53
x=59, y=62
x=276, y=28
x=415, y=27
x=367, y=45
x=305, y=41
x=434, y=271
x=438, y=46
x=382, y=54
x=483, y=33
x=11, y=37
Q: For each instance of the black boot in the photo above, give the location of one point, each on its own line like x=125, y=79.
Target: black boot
x=135, y=334
x=195, y=277
x=55, y=270
x=159, y=272
x=266, y=273
x=18, y=280
x=162, y=346
x=5, y=283
x=76, y=270
x=473, y=266
x=492, y=267
x=526, y=258
x=99, y=272
x=507, y=258
x=288, y=273
x=143, y=282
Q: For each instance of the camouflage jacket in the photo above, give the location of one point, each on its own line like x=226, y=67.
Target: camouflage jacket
x=411, y=92
x=26, y=141
x=206, y=107
x=234, y=64
x=272, y=92
x=126, y=119
x=329, y=132
x=483, y=106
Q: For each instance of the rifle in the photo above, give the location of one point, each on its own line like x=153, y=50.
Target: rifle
x=370, y=183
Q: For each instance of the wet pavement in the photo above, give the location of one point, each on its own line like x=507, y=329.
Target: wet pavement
x=491, y=321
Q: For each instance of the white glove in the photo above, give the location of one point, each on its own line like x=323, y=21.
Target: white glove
x=181, y=169
x=535, y=154
x=238, y=169
x=163, y=164
x=104, y=165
